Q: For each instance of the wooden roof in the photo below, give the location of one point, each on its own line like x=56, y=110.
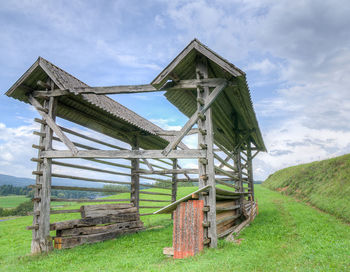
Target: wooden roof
x=233, y=112
x=97, y=112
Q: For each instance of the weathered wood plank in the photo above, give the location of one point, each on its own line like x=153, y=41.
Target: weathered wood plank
x=105, y=209
x=99, y=229
x=87, y=200
x=93, y=221
x=69, y=242
x=169, y=171
x=125, y=154
x=75, y=188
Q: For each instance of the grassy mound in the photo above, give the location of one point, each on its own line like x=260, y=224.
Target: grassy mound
x=325, y=184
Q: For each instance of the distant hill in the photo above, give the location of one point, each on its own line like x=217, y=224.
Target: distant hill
x=324, y=184
x=15, y=181
x=22, y=182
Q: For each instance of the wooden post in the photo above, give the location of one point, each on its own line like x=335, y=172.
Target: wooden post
x=135, y=176
x=41, y=240
x=250, y=171
x=206, y=167
x=239, y=182
x=174, y=182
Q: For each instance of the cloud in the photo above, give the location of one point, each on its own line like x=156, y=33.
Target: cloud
x=296, y=55
x=16, y=151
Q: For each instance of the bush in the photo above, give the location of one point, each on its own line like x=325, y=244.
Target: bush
x=22, y=209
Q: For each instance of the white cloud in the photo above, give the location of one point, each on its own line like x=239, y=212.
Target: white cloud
x=264, y=67
x=16, y=151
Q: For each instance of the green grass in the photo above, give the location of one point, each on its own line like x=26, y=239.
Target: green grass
x=285, y=236
x=12, y=201
x=324, y=184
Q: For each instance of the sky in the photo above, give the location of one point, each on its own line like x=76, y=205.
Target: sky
x=296, y=55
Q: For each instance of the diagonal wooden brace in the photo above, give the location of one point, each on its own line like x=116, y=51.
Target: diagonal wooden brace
x=51, y=123
x=194, y=118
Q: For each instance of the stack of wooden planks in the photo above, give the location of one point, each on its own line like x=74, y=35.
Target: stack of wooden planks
x=227, y=215
x=98, y=223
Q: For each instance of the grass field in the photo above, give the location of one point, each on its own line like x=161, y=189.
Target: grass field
x=325, y=184
x=285, y=236
x=12, y=201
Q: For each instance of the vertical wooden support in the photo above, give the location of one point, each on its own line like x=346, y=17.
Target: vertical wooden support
x=250, y=171
x=174, y=182
x=135, y=176
x=41, y=240
x=206, y=167
x=239, y=182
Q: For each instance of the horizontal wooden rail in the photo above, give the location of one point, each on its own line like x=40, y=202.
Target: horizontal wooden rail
x=227, y=219
x=87, y=200
x=90, y=168
x=103, y=180
x=151, y=207
x=226, y=173
x=125, y=154
x=218, y=196
x=225, y=183
x=64, y=211
x=154, y=200
x=153, y=193
x=73, y=188
x=231, y=208
x=168, y=171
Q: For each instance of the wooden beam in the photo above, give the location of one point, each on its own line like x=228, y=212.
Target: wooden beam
x=190, y=123
x=52, y=124
x=169, y=171
x=75, y=188
x=125, y=154
x=175, y=132
x=193, y=83
x=53, y=93
x=174, y=181
x=135, y=176
x=116, y=89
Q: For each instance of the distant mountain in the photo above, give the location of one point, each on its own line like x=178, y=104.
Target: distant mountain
x=15, y=181
x=22, y=182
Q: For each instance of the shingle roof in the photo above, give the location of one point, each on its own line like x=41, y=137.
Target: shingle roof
x=233, y=102
x=116, y=112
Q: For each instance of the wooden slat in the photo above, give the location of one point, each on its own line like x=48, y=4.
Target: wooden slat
x=73, y=188
x=169, y=208
x=99, y=229
x=65, y=211
x=69, y=242
x=125, y=154
x=106, y=209
x=93, y=221
x=154, y=193
x=104, y=180
x=87, y=200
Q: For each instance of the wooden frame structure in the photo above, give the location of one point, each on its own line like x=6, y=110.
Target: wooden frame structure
x=212, y=92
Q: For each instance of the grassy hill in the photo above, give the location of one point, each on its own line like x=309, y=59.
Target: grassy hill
x=324, y=184
x=286, y=236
